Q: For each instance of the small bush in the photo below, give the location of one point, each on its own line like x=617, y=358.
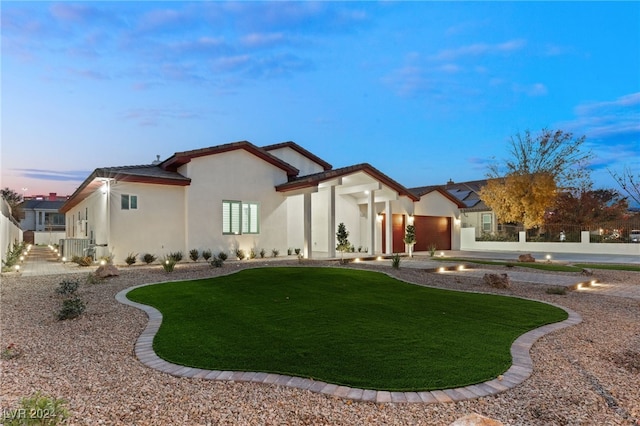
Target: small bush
x=206, y=255
x=176, y=256
x=240, y=254
x=82, y=260
x=67, y=287
x=38, y=409
x=432, y=250
x=289, y=251
x=149, y=258
x=263, y=253
x=168, y=264
x=557, y=290
x=94, y=279
x=222, y=256
x=217, y=262
x=297, y=252
x=194, y=255
x=131, y=259
x=252, y=254
x=71, y=308
x=274, y=252
x=395, y=261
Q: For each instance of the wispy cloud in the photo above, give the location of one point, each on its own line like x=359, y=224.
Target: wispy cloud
x=54, y=175
x=478, y=49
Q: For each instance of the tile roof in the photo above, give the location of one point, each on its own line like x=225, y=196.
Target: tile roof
x=312, y=180
x=300, y=150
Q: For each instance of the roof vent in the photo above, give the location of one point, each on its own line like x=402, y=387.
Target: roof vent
x=451, y=182
x=156, y=161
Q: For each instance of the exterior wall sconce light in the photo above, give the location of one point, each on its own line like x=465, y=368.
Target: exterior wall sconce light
x=410, y=219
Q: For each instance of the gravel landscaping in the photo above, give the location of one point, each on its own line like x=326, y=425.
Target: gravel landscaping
x=585, y=374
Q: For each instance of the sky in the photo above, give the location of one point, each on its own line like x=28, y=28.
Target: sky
x=423, y=91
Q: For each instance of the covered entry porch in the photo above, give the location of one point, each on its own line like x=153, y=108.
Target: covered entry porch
x=357, y=196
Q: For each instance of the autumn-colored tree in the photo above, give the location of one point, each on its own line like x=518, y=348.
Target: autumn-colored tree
x=521, y=198
x=523, y=187
x=588, y=207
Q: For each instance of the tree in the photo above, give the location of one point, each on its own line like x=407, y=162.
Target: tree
x=410, y=238
x=588, y=207
x=524, y=186
x=628, y=183
x=14, y=200
x=343, y=242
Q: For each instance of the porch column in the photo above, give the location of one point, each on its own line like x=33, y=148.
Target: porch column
x=332, y=221
x=371, y=219
x=388, y=228
x=307, y=247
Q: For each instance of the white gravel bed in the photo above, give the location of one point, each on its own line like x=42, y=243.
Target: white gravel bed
x=583, y=375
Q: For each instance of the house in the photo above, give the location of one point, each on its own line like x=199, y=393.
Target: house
x=474, y=213
x=239, y=195
x=41, y=213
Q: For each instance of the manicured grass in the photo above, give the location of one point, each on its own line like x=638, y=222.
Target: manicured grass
x=535, y=265
x=350, y=327
x=609, y=267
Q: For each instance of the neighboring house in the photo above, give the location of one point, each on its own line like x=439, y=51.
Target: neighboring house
x=474, y=213
x=42, y=213
x=239, y=195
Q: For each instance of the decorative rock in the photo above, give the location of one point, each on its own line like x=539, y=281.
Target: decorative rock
x=105, y=271
x=526, y=258
x=476, y=420
x=497, y=280
x=587, y=272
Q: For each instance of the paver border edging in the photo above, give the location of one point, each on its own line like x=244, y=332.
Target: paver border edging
x=520, y=369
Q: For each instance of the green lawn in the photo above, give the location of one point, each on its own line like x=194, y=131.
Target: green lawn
x=351, y=327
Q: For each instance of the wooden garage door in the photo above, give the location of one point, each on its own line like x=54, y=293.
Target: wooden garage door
x=397, y=227
x=432, y=230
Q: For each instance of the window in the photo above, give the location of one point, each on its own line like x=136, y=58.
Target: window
x=239, y=218
x=487, y=222
x=128, y=202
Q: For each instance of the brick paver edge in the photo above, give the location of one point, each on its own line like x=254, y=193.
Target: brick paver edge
x=520, y=369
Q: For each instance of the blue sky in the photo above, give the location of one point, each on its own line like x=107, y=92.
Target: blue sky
x=424, y=91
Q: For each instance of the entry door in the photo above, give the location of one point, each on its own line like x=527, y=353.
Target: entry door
x=397, y=231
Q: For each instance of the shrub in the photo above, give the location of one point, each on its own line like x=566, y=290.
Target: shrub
x=557, y=290
x=395, y=261
x=38, y=409
x=240, y=254
x=289, y=251
x=93, y=279
x=194, y=255
x=432, y=250
x=263, y=253
x=71, y=308
x=176, y=256
x=82, y=260
x=13, y=254
x=297, y=252
x=222, y=256
x=206, y=255
x=217, y=262
x=67, y=287
x=252, y=254
x=274, y=253
x=168, y=264
x=131, y=259
x=149, y=258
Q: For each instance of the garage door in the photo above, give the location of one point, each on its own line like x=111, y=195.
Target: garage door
x=432, y=230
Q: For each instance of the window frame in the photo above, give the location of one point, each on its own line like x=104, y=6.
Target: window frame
x=489, y=223
x=240, y=217
x=131, y=204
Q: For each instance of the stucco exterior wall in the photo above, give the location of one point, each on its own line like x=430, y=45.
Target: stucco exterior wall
x=234, y=176
x=297, y=160
x=156, y=226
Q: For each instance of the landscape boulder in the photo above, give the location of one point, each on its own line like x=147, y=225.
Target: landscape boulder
x=497, y=280
x=105, y=271
x=476, y=420
x=587, y=272
x=526, y=258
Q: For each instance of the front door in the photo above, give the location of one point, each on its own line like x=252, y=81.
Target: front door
x=397, y=232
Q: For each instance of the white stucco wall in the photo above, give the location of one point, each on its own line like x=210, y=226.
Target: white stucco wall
x=156, y=226
x=297, y=160
x=234, y=176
